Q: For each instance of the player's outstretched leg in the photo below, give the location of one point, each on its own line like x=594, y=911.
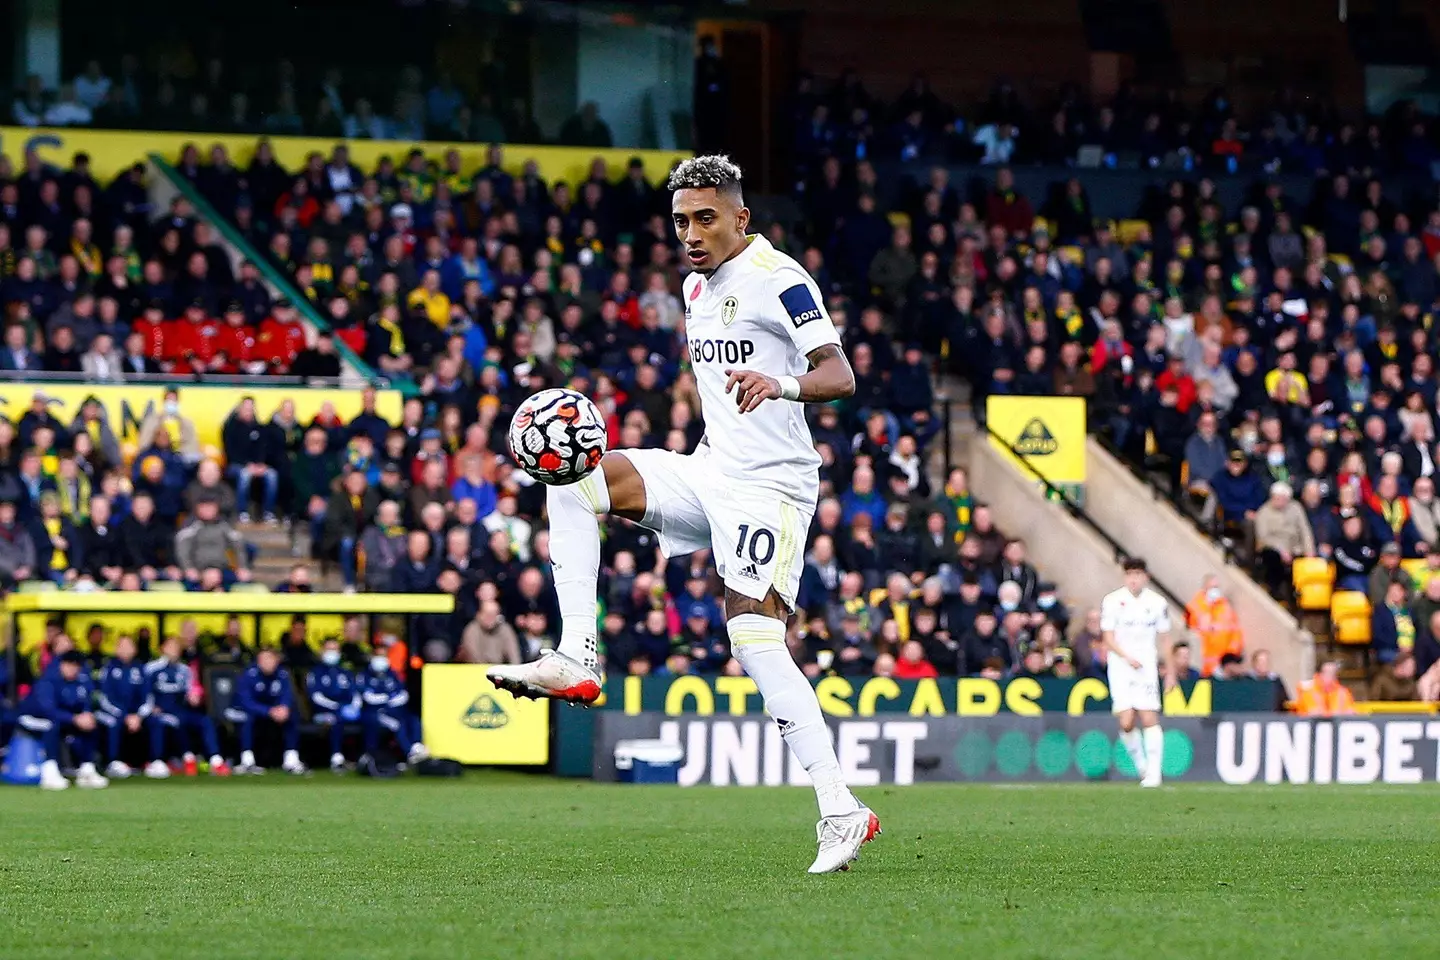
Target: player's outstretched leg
x=758, y=643
x=572, y=672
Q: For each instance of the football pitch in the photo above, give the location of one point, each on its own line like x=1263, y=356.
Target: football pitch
x=498, y=865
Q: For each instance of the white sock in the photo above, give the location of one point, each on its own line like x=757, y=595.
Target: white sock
x=759, y=644
x=574, y=511
x=247, y=758
x=1154, y=749
x=1131, y=739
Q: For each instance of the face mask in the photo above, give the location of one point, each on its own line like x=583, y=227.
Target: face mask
x=1275, y=458
x=379, y=663
x=1007, y=606
x=1045, y=603
x=1213, y=594
x=171, y=408
x=330, y=657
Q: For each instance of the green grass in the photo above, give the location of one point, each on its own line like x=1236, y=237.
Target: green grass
x=498, y=865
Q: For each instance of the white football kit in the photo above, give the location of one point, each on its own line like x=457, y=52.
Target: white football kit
x=1136, y=623
x=749, y=491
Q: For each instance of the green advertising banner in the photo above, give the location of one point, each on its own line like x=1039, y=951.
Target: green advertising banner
x=844, y=697
x=1237, y=749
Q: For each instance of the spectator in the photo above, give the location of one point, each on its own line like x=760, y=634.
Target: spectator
x=488, y=638
x=1282, y=533
x=59, y=554
x=17, y=549
x=1395, y=681
x=1260, y=670
x=1324, y=695
x=248, y=454
x=382, y=544
x=179, y=429
x=350, y=509
x=1354, y=555
x=148, y=543
x=1211, y=615
x=208, y=546
x=1392, y=629
x=1387, y=571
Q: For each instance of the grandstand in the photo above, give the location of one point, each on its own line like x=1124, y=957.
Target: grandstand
x=264, y=320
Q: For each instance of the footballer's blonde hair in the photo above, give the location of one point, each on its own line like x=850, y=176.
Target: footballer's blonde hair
x=713, y=170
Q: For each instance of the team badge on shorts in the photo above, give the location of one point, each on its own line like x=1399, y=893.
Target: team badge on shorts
x=728, y=309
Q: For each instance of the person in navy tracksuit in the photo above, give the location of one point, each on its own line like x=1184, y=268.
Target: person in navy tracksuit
x=123, y=702
x=264, y=695
x=333, y=698
x=175, y=705
x=58, y=710
x=384, y=704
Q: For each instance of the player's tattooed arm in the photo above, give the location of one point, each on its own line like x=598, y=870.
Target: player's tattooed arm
x=830, y=378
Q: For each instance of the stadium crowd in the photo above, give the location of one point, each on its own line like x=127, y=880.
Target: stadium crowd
x=1210, y=334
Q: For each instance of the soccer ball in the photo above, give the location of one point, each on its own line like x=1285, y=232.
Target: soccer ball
x=557, y=436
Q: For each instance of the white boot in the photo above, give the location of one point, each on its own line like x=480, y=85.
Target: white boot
x=118, y=770
x=337, y=763
x=248, y=765
x=290, y=763
x=419, y=752
x=88, y=778
x=51, y=778
x=157, y=770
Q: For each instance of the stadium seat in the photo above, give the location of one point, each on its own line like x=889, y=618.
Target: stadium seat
x=1128, y=231
x=1314, y=580
x=36, y=586
x=1350, y=618
x=249, y=588
x=166, y=586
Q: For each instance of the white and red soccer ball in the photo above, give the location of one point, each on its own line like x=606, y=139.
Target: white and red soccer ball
x=557, y=436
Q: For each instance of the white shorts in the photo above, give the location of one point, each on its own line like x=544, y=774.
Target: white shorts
x=758, y=538
x=1132, y=689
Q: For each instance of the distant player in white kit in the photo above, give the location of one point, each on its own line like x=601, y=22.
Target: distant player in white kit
x=1134, y=621
x=761, y=344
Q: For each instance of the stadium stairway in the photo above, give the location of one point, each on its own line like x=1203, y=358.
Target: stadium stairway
x=276, y=554
x=1065, y=550
x=1142, y=522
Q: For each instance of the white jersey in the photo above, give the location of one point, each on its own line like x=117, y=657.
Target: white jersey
x=1136, y=623
x=758, y=311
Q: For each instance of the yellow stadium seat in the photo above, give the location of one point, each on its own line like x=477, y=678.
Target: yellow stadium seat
x=1349, y=603
x=1128, y=231
x=1314, y=579
x=1352, y=631
x=36, y=586
x=1350, y=618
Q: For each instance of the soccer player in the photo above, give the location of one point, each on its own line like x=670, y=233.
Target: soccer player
x=332, y=692
x=761, y=345
x=123, y=702
x=58, y=709
x=263, y=694
x=175, y=705
x=1134, y=621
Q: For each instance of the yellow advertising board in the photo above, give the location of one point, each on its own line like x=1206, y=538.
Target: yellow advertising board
x=467, y=719
x=112, y=151
x=1048, y=432
x=127, y=406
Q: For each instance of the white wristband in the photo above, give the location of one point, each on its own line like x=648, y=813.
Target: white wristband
x=789, y=388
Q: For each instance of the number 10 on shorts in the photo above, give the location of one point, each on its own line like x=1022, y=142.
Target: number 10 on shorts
x=761, y=544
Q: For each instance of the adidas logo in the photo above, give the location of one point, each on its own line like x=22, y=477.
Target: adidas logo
x=749, y=572
x=784, y=725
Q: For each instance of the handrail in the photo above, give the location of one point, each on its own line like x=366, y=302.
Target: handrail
x=58, y=379
x=266, y=268
x=1078, y=512
x=1173, y=497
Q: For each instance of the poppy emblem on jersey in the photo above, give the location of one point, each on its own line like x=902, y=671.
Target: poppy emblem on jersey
x=728, y=309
